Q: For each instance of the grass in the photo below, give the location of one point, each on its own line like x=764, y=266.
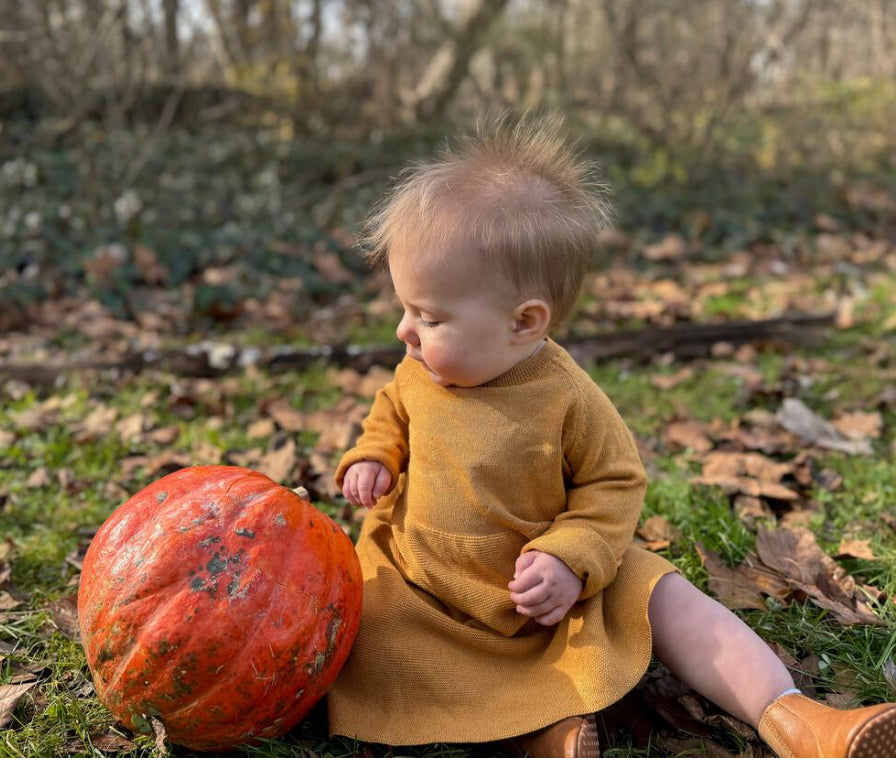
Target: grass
x=45, y=524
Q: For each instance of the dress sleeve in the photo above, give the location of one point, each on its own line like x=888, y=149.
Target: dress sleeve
x=385, y=435
x=604, y=492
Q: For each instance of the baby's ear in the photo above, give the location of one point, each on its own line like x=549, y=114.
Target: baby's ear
x=531, y=320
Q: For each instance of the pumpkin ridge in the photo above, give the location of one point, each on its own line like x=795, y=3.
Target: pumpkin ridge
x=247, y=644
x=137, y=642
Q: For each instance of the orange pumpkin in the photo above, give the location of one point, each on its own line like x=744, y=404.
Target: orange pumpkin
x=220, y=603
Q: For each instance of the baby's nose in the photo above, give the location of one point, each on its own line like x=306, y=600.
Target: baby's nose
x=406, y=333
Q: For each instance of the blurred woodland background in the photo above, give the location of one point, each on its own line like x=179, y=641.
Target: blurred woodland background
x=206, y=130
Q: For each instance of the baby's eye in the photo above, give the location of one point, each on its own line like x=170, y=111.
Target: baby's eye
x=428, y=324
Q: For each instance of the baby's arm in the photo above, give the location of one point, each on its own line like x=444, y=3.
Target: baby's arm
x=604, y=494
x=371, y=468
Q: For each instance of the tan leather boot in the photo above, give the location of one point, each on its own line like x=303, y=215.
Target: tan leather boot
x=795, y=726
x=574, y=737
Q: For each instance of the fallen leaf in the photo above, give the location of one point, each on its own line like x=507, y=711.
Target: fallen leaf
x=670, y=247
x=164, y=435
x=688, y=434
x=363, y=385
x=112, y=742
x=147, y=262
x=673, y=380
x=280, y=460
x=8, y=601
x=98, y=423
x=845, y=700
x=796, y=417
x=796, y=555
x=64, y=613
x=331, y=268
x=263, y=428
x=855, y=549
x=159, y=729
x=10, y=693
x=131, y=427
x=801, y=671
x=40, y=477
x=748, y=473
x=286, y=417
x=657, y=533
x=749, y=509
x=744, y=587
x=858, y=425
x=889, y=671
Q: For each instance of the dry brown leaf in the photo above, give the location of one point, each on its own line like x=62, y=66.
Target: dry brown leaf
x=748, y=473
x=797, y=556
x=112, y=742
x=98, y=423
x=263, y=428
x=331, y=268
x=889, y=671
x=669, y=382
x=731, y=587
x=749, y=509
x=206, y=453
x=745, y=587
x=151, y=270
x=40, y=477
x=858, y=425
x=688, y=434
x=801, y=671
x=8, y=601
x=671, y=247
x=280, y=460
x=287, y=417
x=856, y=549
x=131, y=427
x=796, y=417
x=363, y=385
x=10, y=693
x=164, y=435
x=796, y=518
x=64, y=614
x=656, y=533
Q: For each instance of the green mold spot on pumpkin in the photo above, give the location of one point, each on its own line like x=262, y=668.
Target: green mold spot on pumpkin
x=216, y=565
x=197, y=584
x=205, y=543
x=280, y=520
x=104, y=655
x=244, y=532
x=161, y=496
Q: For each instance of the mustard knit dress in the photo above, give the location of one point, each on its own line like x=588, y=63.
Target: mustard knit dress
x=536, y=459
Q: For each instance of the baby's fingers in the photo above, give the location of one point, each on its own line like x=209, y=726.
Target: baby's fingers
x=553, y=617
x=383, y=481
x=533, y=597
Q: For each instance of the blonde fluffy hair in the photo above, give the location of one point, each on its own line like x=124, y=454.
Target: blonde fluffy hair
x=516, y=194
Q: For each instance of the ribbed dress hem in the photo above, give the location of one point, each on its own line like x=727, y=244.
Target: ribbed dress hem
x=428, y=732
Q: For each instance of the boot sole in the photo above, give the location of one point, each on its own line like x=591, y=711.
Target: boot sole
x=877, y=738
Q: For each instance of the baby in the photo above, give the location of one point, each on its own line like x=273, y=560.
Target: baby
x=503, y=597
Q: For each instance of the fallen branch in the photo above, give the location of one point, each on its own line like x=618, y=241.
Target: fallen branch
x=209, y=359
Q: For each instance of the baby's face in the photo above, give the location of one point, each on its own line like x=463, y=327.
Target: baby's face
x=457, y=322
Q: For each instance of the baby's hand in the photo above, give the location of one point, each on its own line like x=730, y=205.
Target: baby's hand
x=365, y=482
x=543, y=587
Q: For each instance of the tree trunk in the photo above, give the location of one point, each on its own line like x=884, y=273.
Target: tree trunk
x=448, y=67
x=172, y=42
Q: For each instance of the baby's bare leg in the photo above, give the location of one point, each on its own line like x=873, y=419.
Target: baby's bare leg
x=713, y=650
